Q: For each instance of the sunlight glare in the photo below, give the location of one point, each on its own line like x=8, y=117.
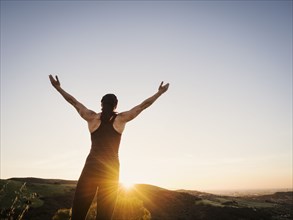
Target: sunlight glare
x=127, y=185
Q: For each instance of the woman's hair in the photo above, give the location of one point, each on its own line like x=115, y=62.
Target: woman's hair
x=109, y=103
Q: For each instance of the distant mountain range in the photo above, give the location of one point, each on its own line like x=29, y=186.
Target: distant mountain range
x=42, y=199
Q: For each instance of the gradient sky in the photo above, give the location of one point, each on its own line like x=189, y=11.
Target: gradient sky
x=225, y=123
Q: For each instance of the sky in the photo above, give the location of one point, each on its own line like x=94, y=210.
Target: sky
x=225, y=122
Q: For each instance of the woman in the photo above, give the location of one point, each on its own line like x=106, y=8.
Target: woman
x=101, y=169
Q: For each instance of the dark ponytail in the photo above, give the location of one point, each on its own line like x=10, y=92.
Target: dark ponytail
x=109, y=103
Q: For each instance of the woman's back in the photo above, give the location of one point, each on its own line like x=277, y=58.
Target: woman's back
x=106, y=140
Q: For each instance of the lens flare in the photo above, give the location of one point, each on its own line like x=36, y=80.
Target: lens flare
x=127, y=185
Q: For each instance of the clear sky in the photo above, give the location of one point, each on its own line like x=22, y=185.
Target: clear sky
x=225, y=123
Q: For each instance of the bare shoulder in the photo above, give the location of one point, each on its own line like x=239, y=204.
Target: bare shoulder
x=120, y=117
x=127, y=116
x=86, y=113
x=94, y=122
x=95, y=116
x=119, y=123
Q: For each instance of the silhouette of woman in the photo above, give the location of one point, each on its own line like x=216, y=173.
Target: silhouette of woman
x=101, y=169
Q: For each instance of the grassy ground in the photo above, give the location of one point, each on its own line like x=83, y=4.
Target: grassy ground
x=51, y=199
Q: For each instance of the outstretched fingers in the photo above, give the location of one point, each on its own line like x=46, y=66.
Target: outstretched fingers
x=163, y=88
x=57, y=79
x=54, y=82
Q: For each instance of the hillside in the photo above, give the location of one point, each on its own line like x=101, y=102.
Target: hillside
x=42, y=199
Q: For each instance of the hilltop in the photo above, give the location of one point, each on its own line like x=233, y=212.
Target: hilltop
x=44, y=198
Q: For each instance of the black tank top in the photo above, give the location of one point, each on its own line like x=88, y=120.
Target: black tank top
x=105, y=141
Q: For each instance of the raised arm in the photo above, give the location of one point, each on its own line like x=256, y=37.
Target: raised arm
x=134, y=112
x=85, y=113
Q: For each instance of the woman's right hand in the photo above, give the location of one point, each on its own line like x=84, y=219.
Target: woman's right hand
x=163, y=88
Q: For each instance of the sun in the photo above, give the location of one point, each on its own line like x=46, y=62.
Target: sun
x=128, y=177
x=127, y=185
